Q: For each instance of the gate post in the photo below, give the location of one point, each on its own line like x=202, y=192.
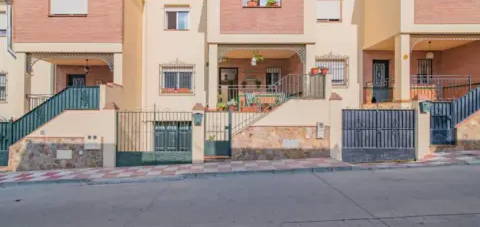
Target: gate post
x=198, y=135
x=422, y=133
x=335, y=103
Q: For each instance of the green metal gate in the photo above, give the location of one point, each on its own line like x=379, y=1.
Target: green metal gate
x=153, y=138
x=218, y=133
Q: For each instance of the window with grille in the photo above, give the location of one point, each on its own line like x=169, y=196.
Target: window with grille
x=177, y=18
x=329, y=10
x=3, y=87
x=337, y=70
x=70, y=7
x=177, y=78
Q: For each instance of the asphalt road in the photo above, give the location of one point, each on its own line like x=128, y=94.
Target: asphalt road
x=446, y=196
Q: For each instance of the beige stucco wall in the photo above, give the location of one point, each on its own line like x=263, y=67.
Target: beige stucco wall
x=81, y=124
x=343, y=39
x=382, y=20
x=171, y=47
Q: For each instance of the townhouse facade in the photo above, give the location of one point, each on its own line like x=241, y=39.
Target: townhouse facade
x=134, y=82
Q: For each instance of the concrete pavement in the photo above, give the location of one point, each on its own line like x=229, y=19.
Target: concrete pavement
x=145, y=173
x=438, y=196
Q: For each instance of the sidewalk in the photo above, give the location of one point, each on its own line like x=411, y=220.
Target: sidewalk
x=225, y=168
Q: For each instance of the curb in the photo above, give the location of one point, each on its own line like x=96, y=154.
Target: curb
x=157, y=179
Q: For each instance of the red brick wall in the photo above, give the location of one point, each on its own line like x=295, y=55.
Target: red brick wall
x=463, y=60
x=246, y=70
x=96, y=74
x=103, y=24
x=234, y=19
x=447, y=11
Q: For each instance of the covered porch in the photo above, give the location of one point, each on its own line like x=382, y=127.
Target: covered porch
x=68, y=70
x=421, y=67
x=256, y=78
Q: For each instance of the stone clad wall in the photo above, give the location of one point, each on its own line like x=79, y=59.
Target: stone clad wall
x=273, y=143
x=41, y=154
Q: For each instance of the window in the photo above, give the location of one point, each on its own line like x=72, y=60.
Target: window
x=177, y=18
x=337, y=68
x=272, y=77
x=424, y=70
x=262, y=3
x=3, y=87
x=3, y=23
x=68, y=7
x=329, y=10
x=177, y=79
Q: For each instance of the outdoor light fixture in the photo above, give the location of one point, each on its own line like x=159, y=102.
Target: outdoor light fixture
x=86, y=69
x=430, y=54
x=197, y=119
x=254, y=61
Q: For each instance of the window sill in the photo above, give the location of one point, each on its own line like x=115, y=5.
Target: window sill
x=328, y=21
x=268, y=7
x=67, y=15
x=177, y=92
x=177, y=30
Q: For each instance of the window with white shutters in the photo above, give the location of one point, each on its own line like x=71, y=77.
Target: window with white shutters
x=329, y=10
x=68, y=7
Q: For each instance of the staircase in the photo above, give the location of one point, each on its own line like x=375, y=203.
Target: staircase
x=446, y=115
x=73, y=98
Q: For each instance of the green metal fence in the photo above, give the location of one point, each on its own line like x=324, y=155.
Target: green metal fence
x=154, y=138
x=73, y=98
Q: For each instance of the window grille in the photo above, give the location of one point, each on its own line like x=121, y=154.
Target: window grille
x=3, y=87
x=177, y=78
x=338, y=69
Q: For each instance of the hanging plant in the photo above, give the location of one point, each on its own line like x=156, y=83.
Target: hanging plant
x=259, y=58
x=272, y=3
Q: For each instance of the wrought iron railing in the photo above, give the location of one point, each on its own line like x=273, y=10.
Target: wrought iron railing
x=263, y=98
x=439, y=87
x=34, y=100
x=74, y=98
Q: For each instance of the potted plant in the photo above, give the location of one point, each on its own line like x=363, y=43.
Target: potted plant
x=168, y=90
x=258, y=83
x=221, y=106
x=252, y=3
x=232, y=105
x=272, y=3
x=183, y=90
x=324, y=70
x=315, y=71
x=244, y=84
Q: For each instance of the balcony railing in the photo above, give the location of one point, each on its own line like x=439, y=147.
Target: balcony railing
x=422, y=87
x=34, y=100
x=262, y=98
x=439, y=87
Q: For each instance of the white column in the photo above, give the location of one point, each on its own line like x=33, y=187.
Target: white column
x=401, y=90
x=335, y=104
x=422, y=134
x=212, y=88
x=118, y=68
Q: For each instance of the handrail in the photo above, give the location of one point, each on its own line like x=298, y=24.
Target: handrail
x=72, y=98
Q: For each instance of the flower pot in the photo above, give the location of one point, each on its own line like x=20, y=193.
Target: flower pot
x=184, y=90
x=314, y=71
x=252, y=4
x=324, y=71
x=168, y=90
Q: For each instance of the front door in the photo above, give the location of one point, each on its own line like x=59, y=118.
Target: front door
x=381, y=90
x=76, y=80
x=228, y=80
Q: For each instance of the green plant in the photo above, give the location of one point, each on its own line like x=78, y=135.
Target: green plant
x=258, y=58
x=272, y=3
x=232, y=102
x=211, y=138
x=221, y=105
